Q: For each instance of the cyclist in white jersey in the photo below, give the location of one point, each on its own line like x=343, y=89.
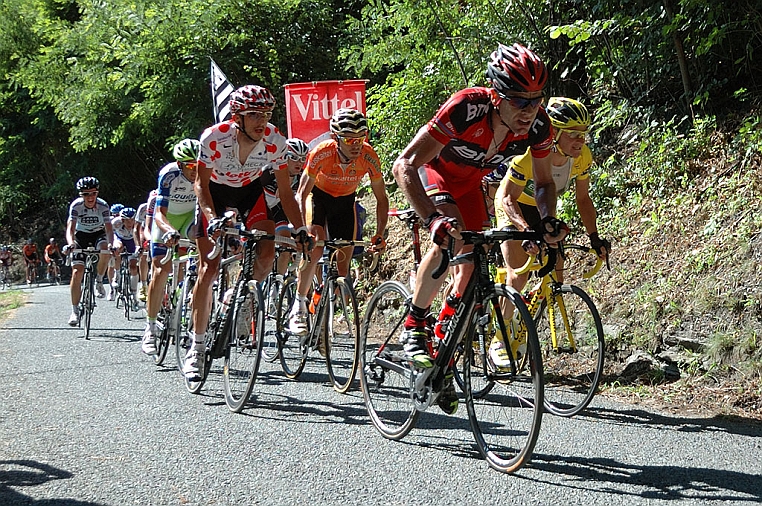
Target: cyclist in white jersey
x=88, y=226
x=296, y=156
x=232, y=156
x=115, y=209
x=173, y=218
x=140, y=219
x=126, y=243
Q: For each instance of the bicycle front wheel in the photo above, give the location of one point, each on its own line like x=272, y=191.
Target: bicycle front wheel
x=506, y=420
x=342, y=336
x=88, y=302
x=164, y=322
x=244, y=343
x=573, y=348
x=293, y=348
x=271, y=294
x=384, y=372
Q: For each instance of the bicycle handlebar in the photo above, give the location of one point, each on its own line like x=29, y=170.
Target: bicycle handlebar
x=181, y=243
x=544, y=267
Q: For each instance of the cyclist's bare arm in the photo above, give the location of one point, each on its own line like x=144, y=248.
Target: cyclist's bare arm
x=544, y=186
x=382, y=205
x=306, y=183
x=71, y=225
x=287, y=199
x=511, y=207
x=422, y=149
x=203, y=195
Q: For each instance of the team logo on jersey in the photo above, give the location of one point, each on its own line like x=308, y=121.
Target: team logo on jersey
x=474, y=111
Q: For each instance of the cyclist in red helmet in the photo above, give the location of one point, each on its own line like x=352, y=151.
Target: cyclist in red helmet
x=233, y=155
x=441, y=170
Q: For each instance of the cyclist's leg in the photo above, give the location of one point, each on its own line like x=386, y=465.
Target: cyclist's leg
x=159, y=276
x=102, y=266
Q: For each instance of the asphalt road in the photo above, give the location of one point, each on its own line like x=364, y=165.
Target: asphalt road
x=96, y=423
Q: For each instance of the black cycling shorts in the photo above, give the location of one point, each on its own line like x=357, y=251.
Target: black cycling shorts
x=335, y=214
x=248, y=200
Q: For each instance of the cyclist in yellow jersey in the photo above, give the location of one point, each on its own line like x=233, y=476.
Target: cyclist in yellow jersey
x=571, y=161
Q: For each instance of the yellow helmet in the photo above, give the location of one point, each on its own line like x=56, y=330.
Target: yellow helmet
x=567, y=113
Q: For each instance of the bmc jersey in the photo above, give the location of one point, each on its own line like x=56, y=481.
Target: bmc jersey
x=338, y=179
x=120, y=230
x=270, y=185
x=520, y=173
x=462, y=124
x=89, y=220
x=175, y=191
x=219, y=151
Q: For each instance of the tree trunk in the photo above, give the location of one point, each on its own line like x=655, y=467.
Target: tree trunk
x=682, y=61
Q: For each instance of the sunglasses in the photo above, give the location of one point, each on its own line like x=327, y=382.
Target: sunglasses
x=88, y=194
x=523, y=103
x=259, y=115
x=575, y=134
x=293, y=156
x=190, y=165
x=352, y=141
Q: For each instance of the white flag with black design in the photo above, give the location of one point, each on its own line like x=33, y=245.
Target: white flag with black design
x=221, y=90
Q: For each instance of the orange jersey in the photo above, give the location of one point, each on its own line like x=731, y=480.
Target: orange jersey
x=29, y=249
x=324, y=166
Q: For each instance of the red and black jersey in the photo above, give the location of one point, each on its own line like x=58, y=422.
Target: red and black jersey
x=462, y=124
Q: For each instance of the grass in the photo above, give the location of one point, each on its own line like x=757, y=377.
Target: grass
x=9, y=301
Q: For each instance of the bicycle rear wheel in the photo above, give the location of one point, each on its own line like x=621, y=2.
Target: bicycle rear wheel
x=245, y=337
x=183, y=322
x=165, y=325
x=506, y=420
x=293, y=348
x=342, y=336
x=271, y=294
x=384, y=372
x=573, y=367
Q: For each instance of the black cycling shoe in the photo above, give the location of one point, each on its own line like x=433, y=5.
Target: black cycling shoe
x=448, y=398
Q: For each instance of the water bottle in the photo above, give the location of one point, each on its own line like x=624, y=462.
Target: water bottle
x=448, y=309
x=316, y=298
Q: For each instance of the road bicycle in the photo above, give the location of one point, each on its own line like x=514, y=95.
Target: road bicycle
x=167, y=318
x=272, y=288
x=506, y=419
x=332, y=327
x=5, y=276
x=124, y=294
x=87, y=295
x=53, y=271
x=183, y=320
x=570, y=331
x=236, y=323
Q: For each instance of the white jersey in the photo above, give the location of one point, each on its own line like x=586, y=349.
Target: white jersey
x=140, y=216
x=175, y=191
x=120, y=230
x=219, y=151
x=89, y=220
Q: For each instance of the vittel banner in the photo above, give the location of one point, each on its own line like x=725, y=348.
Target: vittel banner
x=310, y=105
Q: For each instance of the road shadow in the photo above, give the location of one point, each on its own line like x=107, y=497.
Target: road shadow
x=29, y=473
x=675, y=483
x=634, y=416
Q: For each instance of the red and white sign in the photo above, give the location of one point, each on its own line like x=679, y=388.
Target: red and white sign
x=309, y=106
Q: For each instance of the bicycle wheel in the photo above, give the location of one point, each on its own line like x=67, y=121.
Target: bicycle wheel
x=384, y=372
x=183, y=322
x=89, y=302
x=506, y=420
x=271, y=294
x=293, y=349
x=165, y=324
x=481, y=382
x=245, y=339
x=574, y=365
x=342, y=335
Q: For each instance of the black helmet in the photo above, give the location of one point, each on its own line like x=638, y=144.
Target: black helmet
x=88, y=183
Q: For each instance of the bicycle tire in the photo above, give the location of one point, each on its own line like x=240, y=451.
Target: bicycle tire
x=481, y=383
x=271, y=294
x=506, y=421
x=165, y=324
x=572, y=375
x=89, y=299
x=385, y=379
x=342, y=335
x=184, y=323
x=293, y=348
x=245, y=337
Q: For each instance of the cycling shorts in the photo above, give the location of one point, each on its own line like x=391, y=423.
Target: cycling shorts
x=31, y=258
x=470, y=201
x=183, y=223
x=87, y=240
x=248, y=200
x=278, y=215
x=335, y=214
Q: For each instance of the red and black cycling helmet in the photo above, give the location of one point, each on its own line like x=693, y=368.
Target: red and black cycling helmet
x=516, y=68
x=251, y=98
